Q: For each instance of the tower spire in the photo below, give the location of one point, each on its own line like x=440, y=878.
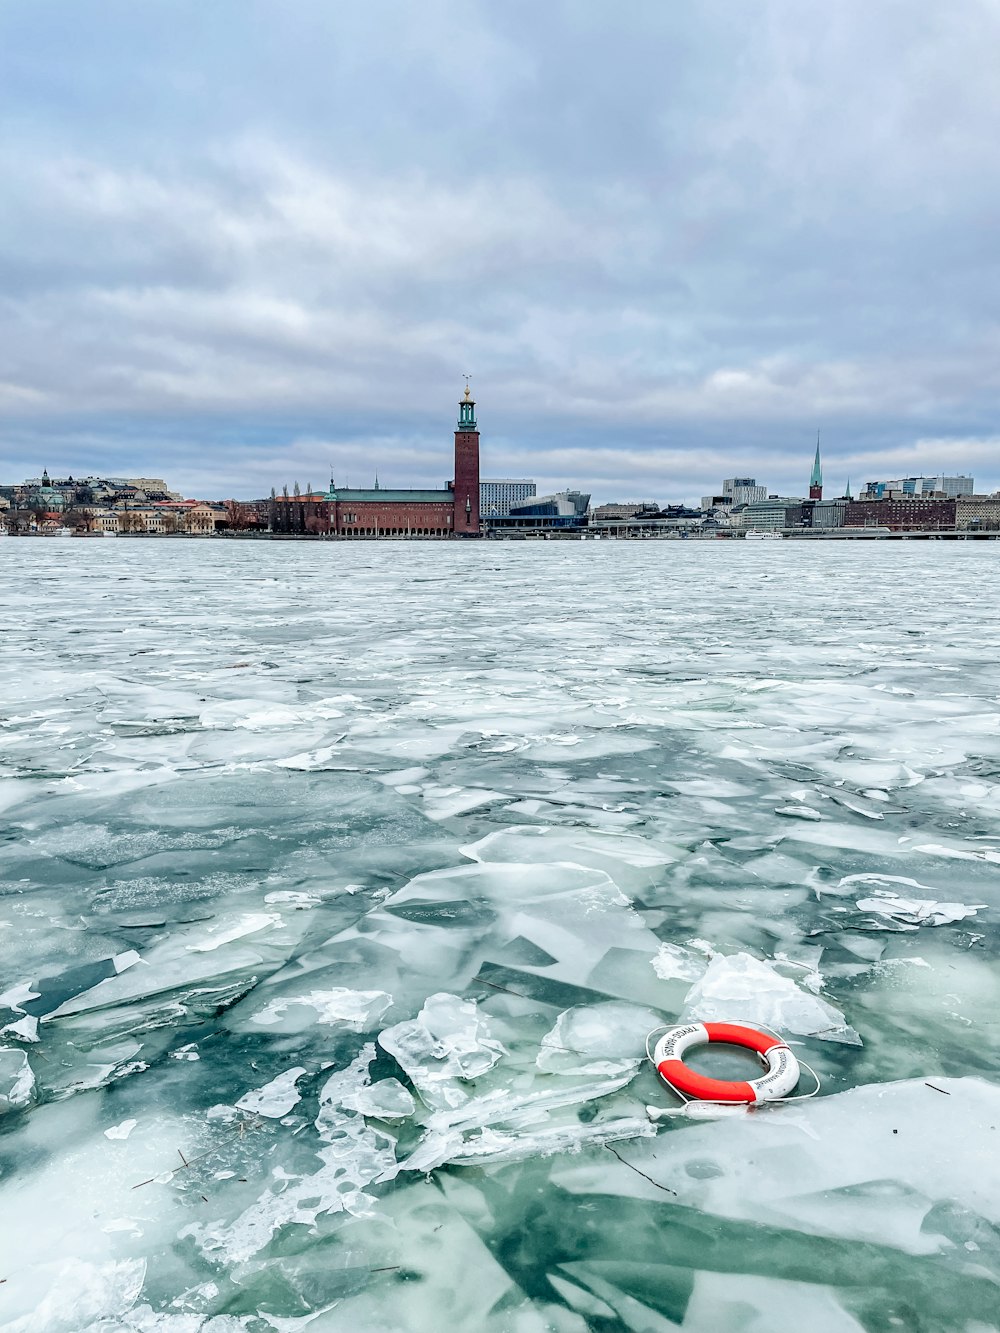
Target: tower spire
x=816, y=476
x=467, y=409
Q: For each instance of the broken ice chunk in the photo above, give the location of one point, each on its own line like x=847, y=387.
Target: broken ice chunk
x=354, y=1010
x=387, y=1100
x=51, y=992
x=494, y=1146
x=17, y=996
x=24, y=1029
x=309, y=759
x=596, y=1039
x=77, y=1294
x=672, y=961
x=17, y=1081
x=276, y=1098
x=230, y=930
x=915, y=911
x=449, y=1131
x=447, y=1041
x=743, y=987
x=121, y=1131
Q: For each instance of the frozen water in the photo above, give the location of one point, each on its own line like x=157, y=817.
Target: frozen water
x=355, y=1011
x=746, y=988
x=341, y=886
x=916, y=911
x=444, y=1046
x=674, y=961
x=17, y=1079
x=276, y=1098
x=596, y=1039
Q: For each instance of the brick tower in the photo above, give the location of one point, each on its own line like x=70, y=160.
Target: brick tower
x=466, y=483
x=816, y=477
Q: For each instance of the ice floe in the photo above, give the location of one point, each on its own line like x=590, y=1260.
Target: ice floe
x=355, y=1011
x=121, y=1131
x=739, y=986
x=276, y=1098
x=448, y=1043
x=916, y=911
x=596, y=1039
x=17, y=1079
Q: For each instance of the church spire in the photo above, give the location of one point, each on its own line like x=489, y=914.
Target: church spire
x=816, y=476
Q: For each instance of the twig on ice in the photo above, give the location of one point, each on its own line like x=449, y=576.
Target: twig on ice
x=665, y=1188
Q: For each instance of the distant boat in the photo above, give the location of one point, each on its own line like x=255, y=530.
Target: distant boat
x=754, y=536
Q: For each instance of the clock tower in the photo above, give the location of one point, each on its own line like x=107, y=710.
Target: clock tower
x=465, y=487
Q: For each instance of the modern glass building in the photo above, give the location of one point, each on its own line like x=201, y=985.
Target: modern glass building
x=565, y=509
x=496, y=495
x=952, y=487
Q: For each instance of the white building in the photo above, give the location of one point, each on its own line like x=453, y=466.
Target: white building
x=497, y=495
x=952, y=486
x=772, y=514
x=743, y=490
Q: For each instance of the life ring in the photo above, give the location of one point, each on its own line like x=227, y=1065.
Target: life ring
x=782, y=1066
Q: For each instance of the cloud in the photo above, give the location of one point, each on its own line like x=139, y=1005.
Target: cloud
x=669, y=242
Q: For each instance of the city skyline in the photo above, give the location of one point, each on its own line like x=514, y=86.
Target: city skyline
x=668, y=247
x=629, y=489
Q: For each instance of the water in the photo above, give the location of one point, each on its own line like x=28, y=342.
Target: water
x=341, y=886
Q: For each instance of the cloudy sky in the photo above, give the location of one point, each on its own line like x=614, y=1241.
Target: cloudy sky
x=245, y=242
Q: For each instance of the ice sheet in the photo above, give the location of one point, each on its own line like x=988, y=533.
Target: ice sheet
x=342, y=883
x=446, y=1045
x=743, y=987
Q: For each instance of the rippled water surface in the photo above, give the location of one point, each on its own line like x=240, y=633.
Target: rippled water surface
x=341, y=886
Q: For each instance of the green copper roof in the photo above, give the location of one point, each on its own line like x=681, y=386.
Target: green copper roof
x=399, y=497
x=816, y=476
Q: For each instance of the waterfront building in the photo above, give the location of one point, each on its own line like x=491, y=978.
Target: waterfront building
x=497, y=494
x=647, y=520
x=625, y=509
x=743, y=490
x=773, y=514
x=978, y=511
x=452, y=511
x=949, y=487
x=902, y=513
x=563, y=511
x=829, y=513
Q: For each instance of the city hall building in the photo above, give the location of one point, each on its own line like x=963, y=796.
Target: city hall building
x=450, y=512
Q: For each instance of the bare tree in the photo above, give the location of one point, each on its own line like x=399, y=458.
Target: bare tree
x=239, y=516
x=319, y=518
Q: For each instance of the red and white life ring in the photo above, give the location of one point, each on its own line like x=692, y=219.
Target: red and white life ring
x=779, y=1080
